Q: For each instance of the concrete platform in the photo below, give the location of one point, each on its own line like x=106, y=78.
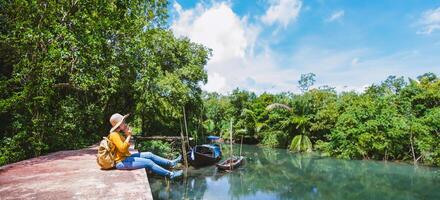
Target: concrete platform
x=71, y=175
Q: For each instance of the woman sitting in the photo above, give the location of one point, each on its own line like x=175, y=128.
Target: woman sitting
x=124, y=160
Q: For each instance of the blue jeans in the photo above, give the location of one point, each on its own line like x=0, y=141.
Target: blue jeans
x=146, y=160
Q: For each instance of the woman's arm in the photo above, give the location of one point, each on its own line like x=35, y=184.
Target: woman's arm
x=127, y=140
x=120, y=145
x=127, y=132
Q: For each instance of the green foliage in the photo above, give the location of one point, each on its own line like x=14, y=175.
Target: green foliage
x=389, y=123
x=169, y=79
x=209, y=125
x=273, y=138
x=160, y=148
x=301, y=143
x=306, y=81
x=66, y=66
x=393, y=120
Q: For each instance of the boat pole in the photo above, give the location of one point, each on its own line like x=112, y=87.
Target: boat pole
x=185, y=157
x=187, y=140
x=241, y=145
x=230, y=141
x=186, y=125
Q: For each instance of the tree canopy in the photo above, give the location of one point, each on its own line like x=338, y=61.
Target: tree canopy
x=66, y=66
x=397, y=119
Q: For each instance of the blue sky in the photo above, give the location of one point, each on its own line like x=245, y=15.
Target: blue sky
x=265, y=45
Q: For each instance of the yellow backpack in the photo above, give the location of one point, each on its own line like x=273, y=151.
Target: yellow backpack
x=105, y=157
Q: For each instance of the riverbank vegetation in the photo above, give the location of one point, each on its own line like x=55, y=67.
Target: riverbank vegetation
x=397, y=119
x=66, y=66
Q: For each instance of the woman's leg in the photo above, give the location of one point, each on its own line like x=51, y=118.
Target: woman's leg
x=134, y=162
x=159, y=160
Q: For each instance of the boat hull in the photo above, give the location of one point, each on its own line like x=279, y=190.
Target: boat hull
x=231, y=163
x=204, y=155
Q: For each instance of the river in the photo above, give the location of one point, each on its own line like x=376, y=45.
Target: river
x=278, y=174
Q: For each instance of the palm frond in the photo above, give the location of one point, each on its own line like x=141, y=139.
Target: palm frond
x=301, y=143
x=260, y=126
x=278, y=105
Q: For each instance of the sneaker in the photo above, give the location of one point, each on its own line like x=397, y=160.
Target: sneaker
x=176, y=174
x=175, y=161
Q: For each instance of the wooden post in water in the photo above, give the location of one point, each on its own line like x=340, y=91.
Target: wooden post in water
x=186, y=126
x=201, y=122
x=241, y=145
x=230, y=141
x=187, y=138
x=185, y=157
x=167, y=187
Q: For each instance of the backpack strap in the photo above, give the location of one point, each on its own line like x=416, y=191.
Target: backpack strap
x=108, y=138
x=109, y=141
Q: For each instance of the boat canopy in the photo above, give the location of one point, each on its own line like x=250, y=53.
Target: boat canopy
x=213, y=137
x=215, y=148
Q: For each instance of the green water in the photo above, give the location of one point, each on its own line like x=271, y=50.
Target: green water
x=278, y=174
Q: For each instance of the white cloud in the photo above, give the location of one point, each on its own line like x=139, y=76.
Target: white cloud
x=217, y=27
x=216, y=83
x=335, y=67
x=282, y=12
x=256, y=73
x=323, y=59
x=355, y=61
x=335, y=16
x=430, y=21
x=232, y=39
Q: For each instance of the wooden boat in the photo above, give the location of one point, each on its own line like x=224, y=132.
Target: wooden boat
x=204, y=155
x=231, y=163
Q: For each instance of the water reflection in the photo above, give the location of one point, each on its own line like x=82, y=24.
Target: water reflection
x=278, y=174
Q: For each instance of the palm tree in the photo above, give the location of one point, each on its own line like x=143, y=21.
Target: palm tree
x=246, y=124
x=209, y=126
x=300, y=142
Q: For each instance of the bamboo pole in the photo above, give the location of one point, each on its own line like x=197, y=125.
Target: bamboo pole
x=185, y=182
x=185, y=157
x=241, y=145
x=412, y=148
x=160, y=137
x=230, y=141
x=186, y=125
x=201, y=123
x=167, y=187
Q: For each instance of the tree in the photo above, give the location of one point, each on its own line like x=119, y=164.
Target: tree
x=167, y=79
x=66, y=66
x=393, y=120
x=306, y=81
x=430, y=77
x=301, y=141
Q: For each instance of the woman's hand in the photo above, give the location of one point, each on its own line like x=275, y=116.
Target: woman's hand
x=127, y=131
